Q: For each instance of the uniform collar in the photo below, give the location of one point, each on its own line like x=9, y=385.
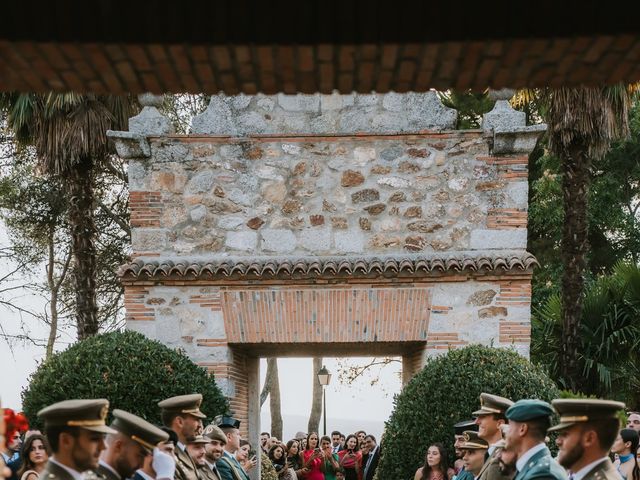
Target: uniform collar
x=104, y=464
x=580, y=474
x=74, y=473
x=182, y=446
x=528, y=455
x=144, y=475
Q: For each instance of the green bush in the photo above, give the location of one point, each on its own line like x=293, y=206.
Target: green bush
x=446, y=391
x=131, y=371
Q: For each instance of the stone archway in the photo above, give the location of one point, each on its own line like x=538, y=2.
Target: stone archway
x=298, y=225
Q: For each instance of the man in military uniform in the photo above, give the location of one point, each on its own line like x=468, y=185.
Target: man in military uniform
x=490, y=419
x=196, y=450
x=529, y=421
x=182, y=415
x=135, y=438
x=228, y=465
x=473, y=451
x=458, y=436
x=75, y=430
x=214, y=451
x=587, y=430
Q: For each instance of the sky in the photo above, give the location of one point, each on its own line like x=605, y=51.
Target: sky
x=350, y=407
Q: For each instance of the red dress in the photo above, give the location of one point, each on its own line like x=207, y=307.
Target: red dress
x=351, y=464
x=314, y=466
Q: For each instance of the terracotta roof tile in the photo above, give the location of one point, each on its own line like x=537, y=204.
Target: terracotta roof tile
x=323, y=267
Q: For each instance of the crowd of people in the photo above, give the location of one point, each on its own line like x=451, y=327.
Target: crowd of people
x=505, y=440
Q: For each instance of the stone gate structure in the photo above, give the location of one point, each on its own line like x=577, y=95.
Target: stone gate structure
x=326, y=225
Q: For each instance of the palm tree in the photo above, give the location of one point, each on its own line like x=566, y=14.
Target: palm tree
x=68, y=132
x=582, y=124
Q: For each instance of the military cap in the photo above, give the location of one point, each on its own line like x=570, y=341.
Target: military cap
x=573, y=411
x=189, y=404
x=214, y=433
x=87, y=414
x=460, y=427
x=472, y=441
x=223, y=421
x=138, y=429
x=524, y=410
x=199, y=439
x=492, y=404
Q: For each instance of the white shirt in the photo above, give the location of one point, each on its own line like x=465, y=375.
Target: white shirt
x=74, y=473
x=491, y=449
x=110, y=468
x=579, y=475
x=144, y=475
x=522, y=461
x=182, y=446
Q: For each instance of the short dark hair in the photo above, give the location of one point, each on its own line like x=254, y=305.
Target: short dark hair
x=538, y=427
x=53, y=435
x=500, y=416
x=266, y=433
x=371, y=437
x=607, y=430
x=244, y=442
x=168, y=416
x=173, y=436
x=335, y=432
x=325, y=438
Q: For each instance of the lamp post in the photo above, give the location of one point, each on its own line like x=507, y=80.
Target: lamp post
x=324, y=377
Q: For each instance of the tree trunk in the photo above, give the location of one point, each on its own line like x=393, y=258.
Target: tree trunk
x=316, y=399
x=575, y=188
x=274, y=399
x=83, y=233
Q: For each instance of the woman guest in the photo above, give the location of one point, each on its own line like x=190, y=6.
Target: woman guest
x=351, y=458
x=35, y=453
x=330, y=459
x=278, y=458
x=294, y=459
x=435, y=465
x=626, y=446
x=312, y=458
x=242, y=455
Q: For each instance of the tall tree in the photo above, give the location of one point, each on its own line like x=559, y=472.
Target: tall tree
x=271, y=389
x=582, y=123
x=68, y=132
x=316, y=398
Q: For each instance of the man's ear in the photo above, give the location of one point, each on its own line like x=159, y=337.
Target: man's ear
x=589, y=438
x=66, y=440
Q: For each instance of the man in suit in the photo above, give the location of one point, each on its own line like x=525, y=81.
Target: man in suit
x=75, y=430
x=182, y=415
x=228, y=465
x=587, y=430
x=336, y=445
x=371, y=459
x=490, y=418
x=473, y=452
x=529, y=421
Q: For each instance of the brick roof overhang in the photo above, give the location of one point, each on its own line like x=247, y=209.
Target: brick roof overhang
x=291, y=46
x=327, y=267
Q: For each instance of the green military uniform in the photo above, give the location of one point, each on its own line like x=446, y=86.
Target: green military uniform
x=87, y=414
x=186, y=469
x=228, y=465
x=143, y=433
x=492, y=404
x=581, y=411
x=540, y=466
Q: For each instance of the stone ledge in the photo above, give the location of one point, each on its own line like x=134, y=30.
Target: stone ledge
x=315, y=267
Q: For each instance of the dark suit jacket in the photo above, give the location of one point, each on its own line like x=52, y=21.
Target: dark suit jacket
x=367, y=474
x=105, y=473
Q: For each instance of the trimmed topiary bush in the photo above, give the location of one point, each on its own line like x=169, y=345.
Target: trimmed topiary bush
x=131, y=371
x=446, y=391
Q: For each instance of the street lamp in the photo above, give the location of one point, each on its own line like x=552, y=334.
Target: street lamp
x=324, y=377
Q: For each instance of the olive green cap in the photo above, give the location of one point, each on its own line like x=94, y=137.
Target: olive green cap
x=524, y=410
x=89, y=414
x=184, y=404
x=200, y=440
x=472, y=441
x=490, y=404
x=138, y=429
x=215, y=433
x=573, y=411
